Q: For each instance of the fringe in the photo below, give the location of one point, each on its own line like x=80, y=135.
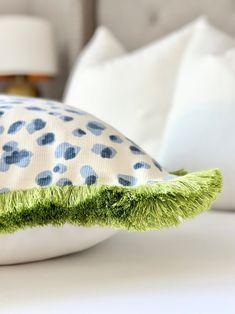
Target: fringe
x=146, y=207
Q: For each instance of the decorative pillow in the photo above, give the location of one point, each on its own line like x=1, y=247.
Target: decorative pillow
x=139, y=83
x=60, y=165
x=200, y=130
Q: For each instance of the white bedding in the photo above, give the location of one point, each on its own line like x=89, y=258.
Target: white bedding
x=190, y=269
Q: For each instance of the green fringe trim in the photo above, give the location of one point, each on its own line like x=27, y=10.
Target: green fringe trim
x=146, y=207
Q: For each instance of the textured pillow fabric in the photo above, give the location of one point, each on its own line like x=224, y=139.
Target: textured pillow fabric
x=134, y=88
x=60, y=165
x=200, y=130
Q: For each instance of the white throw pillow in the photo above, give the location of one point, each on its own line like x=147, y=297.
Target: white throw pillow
x=102, y=47
x=200, y=131
x=133, y=92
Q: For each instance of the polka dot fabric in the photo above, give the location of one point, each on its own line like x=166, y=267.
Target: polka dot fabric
x=46, y=143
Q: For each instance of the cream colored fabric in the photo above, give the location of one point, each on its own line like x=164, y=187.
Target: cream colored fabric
x=44, y=143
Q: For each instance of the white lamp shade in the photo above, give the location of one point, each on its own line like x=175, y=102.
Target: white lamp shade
x=26, y=46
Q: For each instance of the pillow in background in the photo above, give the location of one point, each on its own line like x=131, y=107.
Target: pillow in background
x=132, y=92
x=201, y=127
x=102, y=47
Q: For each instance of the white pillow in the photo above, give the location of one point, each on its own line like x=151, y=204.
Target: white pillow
x=133, y=92
x=102, y=47
x=201, y=127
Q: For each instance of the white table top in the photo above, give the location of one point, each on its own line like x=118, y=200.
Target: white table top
x=189, y=269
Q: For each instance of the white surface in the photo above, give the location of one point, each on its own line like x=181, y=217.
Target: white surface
x=200, y=131
x=136, y=88
x=189, y=269
x=27, y=46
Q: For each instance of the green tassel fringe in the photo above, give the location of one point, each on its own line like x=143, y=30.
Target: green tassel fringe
x=147, y=207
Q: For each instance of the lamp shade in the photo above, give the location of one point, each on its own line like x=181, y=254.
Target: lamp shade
x=27, y=46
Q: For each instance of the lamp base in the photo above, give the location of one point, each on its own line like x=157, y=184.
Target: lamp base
x=22, y=87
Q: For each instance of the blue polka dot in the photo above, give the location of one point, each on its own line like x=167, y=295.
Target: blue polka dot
x=70, y=153
x=35, y=125
x=66, y=151
x=90, y=180
x=141, y=165
x=76, y=111
x=19, y=157
x=10, y=146
x=13, y=155
x=104, y=151
x=79, y=132
x=53, y=113
x=66, y=118
x=126, y=180
x=89, y=174
x=1, y=129
x=15, y=127
x=116, y=139
x=136, y=150
x=34, y=108
x=60, y=168
x=87, y=170
x=95, y=127
x=63, y=182
x=46, y=139
x=44, y=178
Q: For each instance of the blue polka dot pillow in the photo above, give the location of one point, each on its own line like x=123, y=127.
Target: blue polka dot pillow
x=62, y=166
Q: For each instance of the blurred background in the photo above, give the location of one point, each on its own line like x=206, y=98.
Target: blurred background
x=133, y=22
x=162, y=73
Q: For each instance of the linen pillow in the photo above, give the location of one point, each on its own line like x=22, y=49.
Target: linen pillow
x=133, y=92
x=60, y=165
x=200, y=130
